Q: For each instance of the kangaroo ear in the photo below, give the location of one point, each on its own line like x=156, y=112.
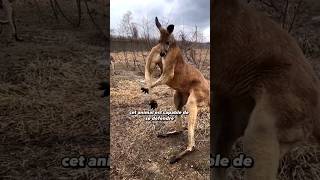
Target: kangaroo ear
x=170, y=28
x=157, y=23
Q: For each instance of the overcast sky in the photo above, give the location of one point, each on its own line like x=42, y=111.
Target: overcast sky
x=184, y=14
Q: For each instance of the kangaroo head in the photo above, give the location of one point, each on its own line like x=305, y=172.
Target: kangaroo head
x=166, y=38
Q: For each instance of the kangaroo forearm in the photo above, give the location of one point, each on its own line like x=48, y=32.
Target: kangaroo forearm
x=164, y=78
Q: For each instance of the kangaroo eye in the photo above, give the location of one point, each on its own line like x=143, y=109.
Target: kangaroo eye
x=167, y=43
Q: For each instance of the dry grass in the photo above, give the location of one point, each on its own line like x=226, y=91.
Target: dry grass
x=135, y=149
x=302, y=162
x=49, y=105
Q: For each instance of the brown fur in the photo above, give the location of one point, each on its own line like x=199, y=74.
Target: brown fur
x=264, y=89
x=6, y=6
x=191, y=88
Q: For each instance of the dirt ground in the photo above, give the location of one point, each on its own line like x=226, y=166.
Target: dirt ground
x=136, y=150
x=50, y=107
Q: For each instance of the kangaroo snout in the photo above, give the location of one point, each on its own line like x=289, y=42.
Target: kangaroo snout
x=162, y=54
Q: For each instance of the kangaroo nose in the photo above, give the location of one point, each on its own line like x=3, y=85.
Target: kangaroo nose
x=162, y=54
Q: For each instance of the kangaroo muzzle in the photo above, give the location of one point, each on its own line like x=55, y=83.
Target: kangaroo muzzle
x=162, y=54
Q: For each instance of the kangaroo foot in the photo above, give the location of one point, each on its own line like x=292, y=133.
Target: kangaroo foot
x=179, y=156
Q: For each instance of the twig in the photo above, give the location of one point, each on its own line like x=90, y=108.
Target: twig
x=295, y=15
x=93, y=21
x=64, y=15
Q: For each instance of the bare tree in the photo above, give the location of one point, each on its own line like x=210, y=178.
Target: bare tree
x=127, y=27
x=286, y=12
x=191, y=43
x=193, y=48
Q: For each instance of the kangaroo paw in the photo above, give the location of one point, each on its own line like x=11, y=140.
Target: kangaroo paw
x=153, y=104
x=145, y=90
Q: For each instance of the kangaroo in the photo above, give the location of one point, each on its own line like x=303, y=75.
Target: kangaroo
x=6, y=7
x=263, y=89
x=191, y=88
